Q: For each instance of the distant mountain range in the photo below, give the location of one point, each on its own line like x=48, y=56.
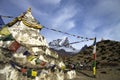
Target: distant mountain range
x=63, y=47
x=108, y=54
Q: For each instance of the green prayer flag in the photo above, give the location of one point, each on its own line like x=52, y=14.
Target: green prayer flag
x=7, y=38
x=94, y=63
x=38, y=61
x=29, y=71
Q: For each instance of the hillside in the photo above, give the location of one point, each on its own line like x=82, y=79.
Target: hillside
x=108, y=54
x=62, y=53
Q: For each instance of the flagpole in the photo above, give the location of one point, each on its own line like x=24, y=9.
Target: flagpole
x=94, y=58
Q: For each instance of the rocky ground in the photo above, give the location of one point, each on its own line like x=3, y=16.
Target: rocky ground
x=102, y=74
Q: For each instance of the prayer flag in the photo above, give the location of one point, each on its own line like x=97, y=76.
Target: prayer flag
x=94, y=41
x=1, y=22
x=94, y=49
x=29, y=71
x=94, y=63
x=34, y=73
x=94, y=70
x=26, y=53
x=5, y=31
x=94, y=56
x=30, y=58
x=23, y=70
x=7, y=38
x=14, y=46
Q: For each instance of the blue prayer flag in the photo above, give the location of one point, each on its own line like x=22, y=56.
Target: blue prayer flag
x=94, y=41
x=1, y=22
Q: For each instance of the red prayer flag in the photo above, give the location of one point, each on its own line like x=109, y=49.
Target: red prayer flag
x=14, y=46
x=23, y=70
x=94, y=56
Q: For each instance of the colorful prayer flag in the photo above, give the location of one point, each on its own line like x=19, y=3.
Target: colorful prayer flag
x=94, y=56
x=94, y=41
x=43, y=63
x=30, y=58
x=14, y=46
x=94, y=63
x=63, y=67
x=94, y=49
x=26, y=53
x=94, y=70
x=34, y=73
x=23, y=70
x=29, y=71
x=1, y=22
x=38, y=61
x=5, y=31
x=7, y=38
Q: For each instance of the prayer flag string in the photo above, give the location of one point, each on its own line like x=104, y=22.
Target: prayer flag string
x=56, y=30
x=68, y=33
x=94, y=57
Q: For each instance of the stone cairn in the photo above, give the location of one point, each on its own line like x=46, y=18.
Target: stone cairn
x=25, y=54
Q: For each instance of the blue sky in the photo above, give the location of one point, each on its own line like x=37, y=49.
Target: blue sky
x=87, y=18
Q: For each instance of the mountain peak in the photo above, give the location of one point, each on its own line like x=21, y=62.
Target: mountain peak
x=64, y=44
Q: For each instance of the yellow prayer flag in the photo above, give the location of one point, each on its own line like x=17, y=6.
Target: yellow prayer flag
x=5, y=31
x=34, y=73
x=30, y=58
x=63, y=67
x=94, y=70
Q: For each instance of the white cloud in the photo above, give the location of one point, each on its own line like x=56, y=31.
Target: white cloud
x=90, y=24
x=69, y=25
x=102, y=15
x=23, y=4
x=51, y=1
x=27, y=4
x=115, y=31
x=63, y=18
x=62, y=15
x=111, y=33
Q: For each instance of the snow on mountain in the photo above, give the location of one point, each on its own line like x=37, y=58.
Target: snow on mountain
x=64, y=44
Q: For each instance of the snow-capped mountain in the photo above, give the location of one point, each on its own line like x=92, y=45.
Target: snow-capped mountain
x=62, y=44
